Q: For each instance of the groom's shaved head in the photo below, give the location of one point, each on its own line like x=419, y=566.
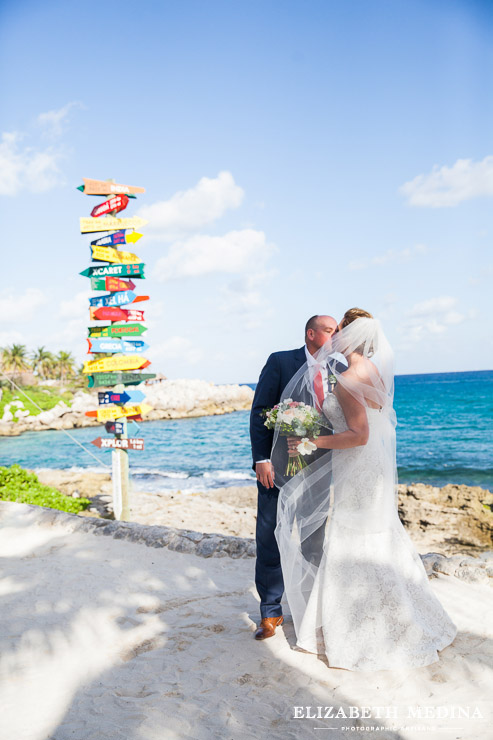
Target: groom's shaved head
x=315, y=321
x=319, y=330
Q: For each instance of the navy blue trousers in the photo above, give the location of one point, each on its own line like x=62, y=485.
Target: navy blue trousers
x=268, y=574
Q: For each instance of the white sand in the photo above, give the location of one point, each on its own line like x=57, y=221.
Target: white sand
x=106, y=639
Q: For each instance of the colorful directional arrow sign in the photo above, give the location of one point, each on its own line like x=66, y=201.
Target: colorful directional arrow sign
x=124, y=236
x=119, y=362
x=115, y=299
x=109, y=223
x=101, y=380
x=105, y=397
x=109, y=443
x=115, y=427
x=101, y=187
x=108, y=254
x=117, y=330
x=135, y=270
x=107, y=414
x=111, y=344
x=112, y=284
x=114, y=204
x=110, y=313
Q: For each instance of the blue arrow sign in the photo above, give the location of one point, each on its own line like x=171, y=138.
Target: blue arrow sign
x=113, y=299
x=106, y=397
x=117, y=237
x=135, y=396
x=117, y=345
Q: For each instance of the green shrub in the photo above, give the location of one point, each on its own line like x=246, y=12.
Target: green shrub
x=17, y=484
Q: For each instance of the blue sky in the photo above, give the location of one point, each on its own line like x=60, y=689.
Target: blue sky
x=298, y=158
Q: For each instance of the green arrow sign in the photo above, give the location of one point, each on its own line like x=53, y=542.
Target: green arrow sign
x=99, y=380
x=116, y=330
x=117, y=270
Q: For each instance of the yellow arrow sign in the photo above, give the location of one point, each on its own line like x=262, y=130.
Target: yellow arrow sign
x=100, y=187
x=107, y=414
x=118, y=362
x=110, y=223
x=108, y=254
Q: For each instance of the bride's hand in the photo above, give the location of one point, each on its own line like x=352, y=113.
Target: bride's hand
x=293, y=443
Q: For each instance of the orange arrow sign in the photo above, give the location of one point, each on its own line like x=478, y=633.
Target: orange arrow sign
x=100, y=187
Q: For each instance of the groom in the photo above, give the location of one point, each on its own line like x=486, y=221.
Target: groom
x=278, y=371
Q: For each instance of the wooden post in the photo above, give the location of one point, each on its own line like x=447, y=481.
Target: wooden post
x=121, y=504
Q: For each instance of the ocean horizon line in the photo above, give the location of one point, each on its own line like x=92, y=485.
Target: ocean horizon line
x=408, y=375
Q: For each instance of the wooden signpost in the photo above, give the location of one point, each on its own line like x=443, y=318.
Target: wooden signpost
x=117, y=412
x=130, y=443
x=117, y=330
x=113, y=205
x=118, y=362
x=124, y=236
x=101, y=380
x=136, y=270
x=108, y=254
x=105, y=187
x=118, y=369
x=106, y=397
x=119, y=298
x=111, y=344
x=113, y=313
x=112, y=284
x=114, y=427
x=110, y=223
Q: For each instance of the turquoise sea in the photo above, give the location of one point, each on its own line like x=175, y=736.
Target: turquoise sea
x=444, y=435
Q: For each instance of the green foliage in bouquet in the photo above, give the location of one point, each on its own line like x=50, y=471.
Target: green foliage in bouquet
x=295, y=419
x=17, y=484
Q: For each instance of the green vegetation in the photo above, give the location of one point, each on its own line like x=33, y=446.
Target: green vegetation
x=17, y=359
x=45, y=396
x=17, y=484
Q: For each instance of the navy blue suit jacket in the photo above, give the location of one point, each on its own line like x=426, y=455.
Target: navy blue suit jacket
x=276, y=374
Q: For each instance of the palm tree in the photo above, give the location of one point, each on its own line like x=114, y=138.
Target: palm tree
x=43, y=362
x=15, y=359
x=65, y=363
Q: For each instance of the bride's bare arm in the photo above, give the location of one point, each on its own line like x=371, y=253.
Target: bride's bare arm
x=356, y=420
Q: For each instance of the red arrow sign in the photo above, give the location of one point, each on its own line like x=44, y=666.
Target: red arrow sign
x=114, y=284
x=113, y=313
x=118, y=444
x=114, y=204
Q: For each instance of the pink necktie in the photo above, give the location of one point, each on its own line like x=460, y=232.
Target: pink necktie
x=318, y=387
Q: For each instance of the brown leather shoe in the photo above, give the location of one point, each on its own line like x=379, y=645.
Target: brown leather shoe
x=268, y=627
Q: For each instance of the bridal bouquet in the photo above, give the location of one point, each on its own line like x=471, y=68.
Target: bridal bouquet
x=295, y=419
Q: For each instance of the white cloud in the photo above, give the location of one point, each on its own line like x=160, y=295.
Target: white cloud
x=236, y=252
x=21, y=306
x=24, y=168
x=75, y=314
x=54, y=121
x=177, y=348
x=391, y=255
x=447, y=186
x=11, y=337
x=190, y=210
x=245, y=297
x=433, y=316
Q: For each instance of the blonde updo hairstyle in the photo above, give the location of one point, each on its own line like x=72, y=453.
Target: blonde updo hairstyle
x=351, y=315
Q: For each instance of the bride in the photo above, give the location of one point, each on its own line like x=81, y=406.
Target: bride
x=365, y=600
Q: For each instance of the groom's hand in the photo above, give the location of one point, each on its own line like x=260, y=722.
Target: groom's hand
x=265, y=474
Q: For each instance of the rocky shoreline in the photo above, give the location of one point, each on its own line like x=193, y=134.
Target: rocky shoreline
x=170, y=399
x=453, y=520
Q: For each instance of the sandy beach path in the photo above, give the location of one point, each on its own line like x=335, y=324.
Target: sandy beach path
x=108, y=639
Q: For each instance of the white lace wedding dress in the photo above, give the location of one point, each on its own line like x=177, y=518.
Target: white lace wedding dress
x=370, y=606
